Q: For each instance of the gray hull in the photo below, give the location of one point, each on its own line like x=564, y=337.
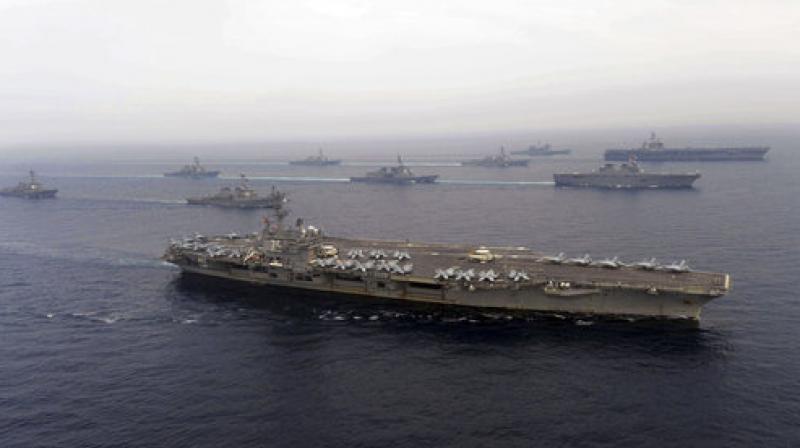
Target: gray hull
x=261, y=203
x=688, y=154
x=595, y=180
x=608, y=302
x=204, y=175
x=542, y=152
x=506, y=164
x=315, y=163
x=41, y=194
x=396, y=180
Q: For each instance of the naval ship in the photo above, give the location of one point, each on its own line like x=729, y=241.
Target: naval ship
x=242, y=196
x=541, y=150
x=459, y=275
x=318, y=160
x=653, y=150
x=399, y=175
x=625, y=175
x=30, y=189
x=501, y=160
x=193, y=171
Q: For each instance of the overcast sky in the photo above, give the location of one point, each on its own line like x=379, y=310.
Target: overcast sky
x=198, y=70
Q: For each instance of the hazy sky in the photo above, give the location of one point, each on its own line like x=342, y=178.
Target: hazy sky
x=195, y=70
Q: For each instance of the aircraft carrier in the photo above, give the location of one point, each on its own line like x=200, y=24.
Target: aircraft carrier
x=302, y=257
x=653, y=150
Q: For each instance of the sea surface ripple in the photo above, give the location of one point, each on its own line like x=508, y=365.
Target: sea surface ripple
x=104, y=345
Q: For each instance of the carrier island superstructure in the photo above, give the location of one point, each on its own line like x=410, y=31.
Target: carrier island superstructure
x=302, y=257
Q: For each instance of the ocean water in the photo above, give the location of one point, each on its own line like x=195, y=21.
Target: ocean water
x=102, y=344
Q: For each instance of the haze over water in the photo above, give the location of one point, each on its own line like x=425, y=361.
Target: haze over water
x=80, y=72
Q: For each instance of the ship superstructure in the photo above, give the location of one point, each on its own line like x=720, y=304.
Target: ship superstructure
x=30, y=189
x=304, y=258
x=653, y=150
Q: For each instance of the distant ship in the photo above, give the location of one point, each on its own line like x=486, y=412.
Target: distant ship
x=241, y=196
x=400, y=174
x=542, y=150
x=653, y=150
x=626, y=175
x=31, y=189
x=194, y=171
x=501, y=160
x=318, y=160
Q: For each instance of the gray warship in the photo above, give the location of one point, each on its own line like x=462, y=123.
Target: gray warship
x=193, y=171
x=399, y=175
x=653, y=150
x=241, y=196
x=501, y=160
x=541, y=150
x=318, y=160
x=304, y=258
x=30, y=189
x=627, y=176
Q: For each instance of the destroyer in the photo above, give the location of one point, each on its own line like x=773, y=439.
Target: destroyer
x=399, y=174
x=241, y=196
x=318, y=160
x=30, y=189
x=626, y=175
x=542, y=150
x=304, y=258
x=193, y=171
x=501, y=160
x=653, y=150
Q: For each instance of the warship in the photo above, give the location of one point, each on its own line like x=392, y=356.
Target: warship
x=501, y=160
x=399, y=174
x=304, y=258
x=318, y=160
x=653, y=150
x=241, y=196
x=30, y=189
x=193, y=171
x=541, y=150
x=625, y=175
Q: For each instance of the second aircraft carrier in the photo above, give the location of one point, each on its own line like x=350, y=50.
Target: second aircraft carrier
x=653, y=150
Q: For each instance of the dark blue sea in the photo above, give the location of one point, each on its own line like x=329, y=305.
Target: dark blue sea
x=104, y=345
